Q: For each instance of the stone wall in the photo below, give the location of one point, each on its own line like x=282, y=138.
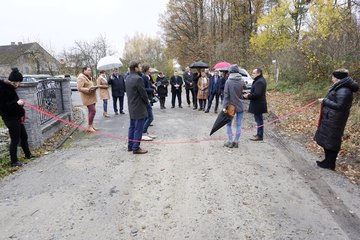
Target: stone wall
x=38, y=133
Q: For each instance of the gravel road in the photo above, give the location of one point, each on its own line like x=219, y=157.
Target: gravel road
x=92, y=188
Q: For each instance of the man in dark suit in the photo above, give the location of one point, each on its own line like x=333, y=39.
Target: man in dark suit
x=137, y=102
x=258, y=104
x=118, y=90
x=188, y=79
x=176, y=83
x=214, y=91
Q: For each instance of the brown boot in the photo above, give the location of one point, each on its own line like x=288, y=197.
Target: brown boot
x=105, y=114
x=140, y=151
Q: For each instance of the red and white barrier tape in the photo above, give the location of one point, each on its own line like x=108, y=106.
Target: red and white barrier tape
x=177, y=142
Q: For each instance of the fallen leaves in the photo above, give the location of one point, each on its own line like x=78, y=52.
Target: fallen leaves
x=303, y=126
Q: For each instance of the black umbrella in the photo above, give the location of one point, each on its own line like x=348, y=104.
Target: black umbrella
x=225, y=69
x=199, y=65
x=222, y=119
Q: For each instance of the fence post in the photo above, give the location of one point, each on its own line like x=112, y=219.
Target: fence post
x=27, y=92
x=66, y=93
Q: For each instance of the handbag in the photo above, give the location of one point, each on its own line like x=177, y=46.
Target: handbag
x=230, y=110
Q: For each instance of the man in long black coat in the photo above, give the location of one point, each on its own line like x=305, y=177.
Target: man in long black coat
x=118, y=90
x=258, y=104
x=176, y=83
x=137, y=102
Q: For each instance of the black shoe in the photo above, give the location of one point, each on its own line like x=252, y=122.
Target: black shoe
x=17, y=164
x=326, y=164
x=172, y=106
x=122, y=112
x=32, y=156
x=206, y=111
x=116, y=113
x=180, y=106
x=215, y=111
x=194, y=108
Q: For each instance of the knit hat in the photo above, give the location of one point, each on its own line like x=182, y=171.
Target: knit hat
x=340, y=75
x=234, y=69
x=15, y=75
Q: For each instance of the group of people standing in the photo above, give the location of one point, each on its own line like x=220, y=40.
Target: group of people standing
x=141, y=89
x=200, y=87
x=87, y=90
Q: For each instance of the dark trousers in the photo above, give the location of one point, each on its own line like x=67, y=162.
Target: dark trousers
x=121, y=103
x=330, y=155
x=17, y=134
x=162, y=102
x=259, y=122
x=135, y=133
x=211, y=97
x=188, y=91
x=174, y=94
x=202, y=103
x=148, y=120
x=195, y=92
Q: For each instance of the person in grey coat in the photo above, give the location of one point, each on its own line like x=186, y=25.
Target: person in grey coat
x=137, y=102
x=334, y=115
x=233, y=93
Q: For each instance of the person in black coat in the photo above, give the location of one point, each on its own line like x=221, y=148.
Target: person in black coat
x=13, y=115
x=334, y=115
x=176, y=83
x=162, y=88
x=196, y=77
x=258, y=104
x=189, y=85
x=118, y=90
x=137, y=104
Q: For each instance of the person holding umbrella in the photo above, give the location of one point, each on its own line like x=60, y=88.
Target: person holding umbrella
x=198, y=66
x=233, y=93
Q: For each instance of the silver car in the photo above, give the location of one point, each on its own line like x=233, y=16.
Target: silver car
x=73, y=81
x=247, y=79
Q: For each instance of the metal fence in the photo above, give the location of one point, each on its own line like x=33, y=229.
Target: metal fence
x=50, y=98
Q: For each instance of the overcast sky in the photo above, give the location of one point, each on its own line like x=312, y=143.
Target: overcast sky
x=56, y=24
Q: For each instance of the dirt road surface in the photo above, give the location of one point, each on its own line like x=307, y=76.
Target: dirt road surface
x=92, y=188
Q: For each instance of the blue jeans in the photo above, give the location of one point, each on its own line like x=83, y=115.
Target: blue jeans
x=135, y=133
x=149, y=118
x=259, y=122
x=105, y=103
x=239, y=117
